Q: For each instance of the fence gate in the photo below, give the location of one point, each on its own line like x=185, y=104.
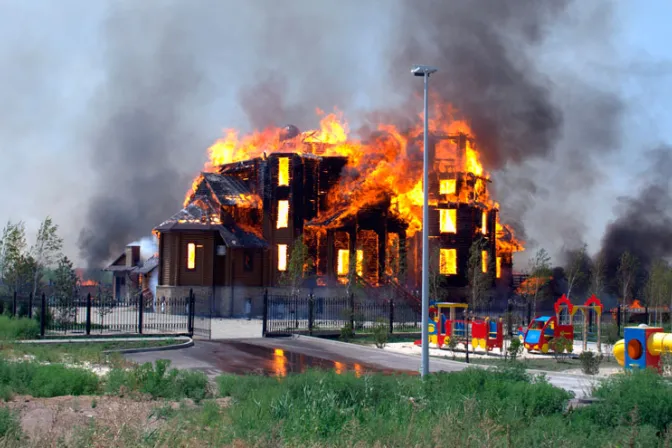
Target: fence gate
x=201, y=315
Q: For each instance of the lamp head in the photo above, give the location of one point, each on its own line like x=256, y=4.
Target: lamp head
x=422, y=70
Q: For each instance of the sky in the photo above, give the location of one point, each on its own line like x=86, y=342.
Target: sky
x=59, y=59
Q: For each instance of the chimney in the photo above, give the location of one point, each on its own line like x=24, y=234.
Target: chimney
x=132, y=255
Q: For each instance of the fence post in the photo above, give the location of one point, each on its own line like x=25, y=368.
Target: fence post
x=30, y=305
x=14, y=305
x=529, y=313
x=43, y=316
x=88, y=314
x=192, y=313
x=352, y=311
x=391, y=316
x=264, y=320
x=140, y=312
x=311, y=309
x=618, y=320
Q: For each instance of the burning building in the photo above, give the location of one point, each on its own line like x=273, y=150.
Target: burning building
x=357, y=206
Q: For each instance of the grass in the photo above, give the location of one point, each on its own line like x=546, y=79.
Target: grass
x=21, y=328
x=545, y=363
x=77, y=352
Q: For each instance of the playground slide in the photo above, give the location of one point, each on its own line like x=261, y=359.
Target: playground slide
x=619, y=352
x=659, y=343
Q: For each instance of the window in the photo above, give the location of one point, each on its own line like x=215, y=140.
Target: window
x=484, y=223
x=282, y=257
x=447, y=186
x=283, y=215
x=247, y=261
x=448, y=262
x=484, y=261
x=343, y=262
x=498, y=267
x=447, y=219
x=191, y=256
x=360, y=262
x=283, y=171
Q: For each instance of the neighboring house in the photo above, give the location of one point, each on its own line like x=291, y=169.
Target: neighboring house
x=130, y=273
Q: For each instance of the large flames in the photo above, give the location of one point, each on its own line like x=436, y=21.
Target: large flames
x=387, y=166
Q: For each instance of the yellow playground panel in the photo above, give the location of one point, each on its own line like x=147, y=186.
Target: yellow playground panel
x=442, y=328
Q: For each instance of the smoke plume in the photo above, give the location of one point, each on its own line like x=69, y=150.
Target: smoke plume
x=643, y=224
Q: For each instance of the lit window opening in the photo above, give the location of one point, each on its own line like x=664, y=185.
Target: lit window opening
x=283, y=171
x=343, y=262
x=484, y=223
x=447, y=220
x=283, y=215
x=484, y=261
x=282, y=257
x=447, y=186
x=191, y=256
x=448, y=262
x=359, y=268
x=498, y=267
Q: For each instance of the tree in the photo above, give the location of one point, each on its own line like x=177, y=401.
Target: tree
x=15, y=264
x=597, y=275
x=436, y=279
x=104, y=301
x=46, y=251
x=299, y=266
x=627, y=275
x=65, y=290
x=657, y=285
x=532, y=289
x=574, y=272
x=480, y=282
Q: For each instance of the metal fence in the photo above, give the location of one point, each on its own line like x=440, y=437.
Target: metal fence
x=87, y=315
x=318, y=315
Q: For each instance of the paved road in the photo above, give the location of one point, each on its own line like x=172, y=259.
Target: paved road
x=282, y=355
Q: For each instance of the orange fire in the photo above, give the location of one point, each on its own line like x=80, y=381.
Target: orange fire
x=388, y=165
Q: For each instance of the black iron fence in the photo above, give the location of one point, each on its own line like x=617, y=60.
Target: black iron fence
x=89, y=315
x=318, y=315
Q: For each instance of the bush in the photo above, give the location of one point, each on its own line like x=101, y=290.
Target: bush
x=159, y=382
x=347, y=333
x=380, y=333
x=515, y=348
x=590, y=362
x=18, y=328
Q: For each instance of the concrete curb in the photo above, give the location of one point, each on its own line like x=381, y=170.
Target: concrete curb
x=440, y=360
x=189, y=342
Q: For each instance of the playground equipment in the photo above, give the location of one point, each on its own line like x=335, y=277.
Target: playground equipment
x=593, y=304
x=642, y=346
x=543, y=333
x=443, y=328
x=487, y=334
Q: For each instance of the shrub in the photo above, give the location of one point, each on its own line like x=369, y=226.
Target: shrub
x=562, y=348
x=347, y=333
x=380, y=333
x=515, y=348
x=590, y=362
x=18, y=328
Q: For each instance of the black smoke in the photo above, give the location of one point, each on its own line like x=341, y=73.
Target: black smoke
x=643, y=223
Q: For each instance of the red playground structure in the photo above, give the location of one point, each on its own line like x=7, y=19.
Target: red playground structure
x=487, y=334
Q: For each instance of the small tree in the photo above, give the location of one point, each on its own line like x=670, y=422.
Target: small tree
x=597, y=275
x=436, y=279
x=656, y=288
x=13, y=259
x=574, y=272
x=46, y=251
x=532, y=289
x=299, y=266
x=104, y=302
x=65, y=290
x=479, y=282
x=627, y=275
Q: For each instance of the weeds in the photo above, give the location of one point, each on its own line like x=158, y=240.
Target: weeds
x=515, y=348
x=45, y=380
x=9, y=425
x=380, y=333
x=18, y=328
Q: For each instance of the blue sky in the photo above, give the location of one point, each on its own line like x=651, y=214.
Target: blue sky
x=52, y=65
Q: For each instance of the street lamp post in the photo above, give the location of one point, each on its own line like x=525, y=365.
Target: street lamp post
x=425, y=71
